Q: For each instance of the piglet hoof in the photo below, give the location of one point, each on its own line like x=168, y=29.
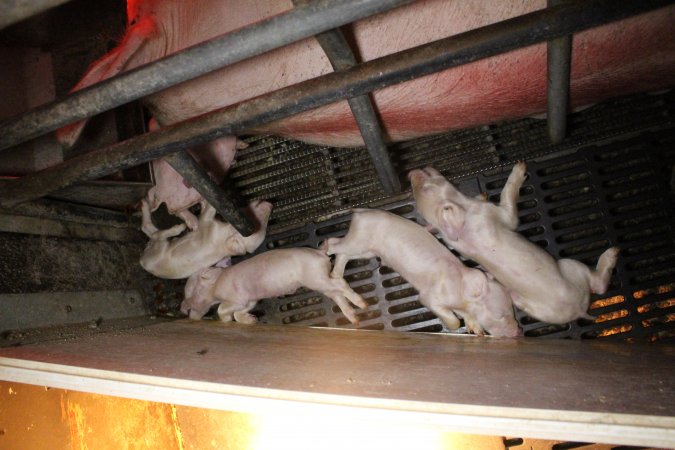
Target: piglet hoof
x=245, y=318
x=520, y=169
x=194, y=315
x=610, y=256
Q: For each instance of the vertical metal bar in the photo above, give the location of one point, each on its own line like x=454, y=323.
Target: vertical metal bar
x=559, y=57
x=189, y=169
x=341, y=57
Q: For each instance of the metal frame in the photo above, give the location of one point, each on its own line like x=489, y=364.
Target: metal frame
x=539, y=26
x=559, y=61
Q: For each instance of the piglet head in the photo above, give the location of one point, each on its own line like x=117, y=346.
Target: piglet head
x=490, y=304
x=198, y=292
x=438, y=201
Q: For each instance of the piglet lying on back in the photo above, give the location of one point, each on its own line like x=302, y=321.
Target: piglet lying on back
x=211, y=242
x=445, y=285
x=548, y=290
x=270, y=274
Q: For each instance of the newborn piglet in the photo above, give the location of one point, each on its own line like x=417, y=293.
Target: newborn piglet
x=445, y=285
x=210, y=243
x=548, y=290
x=270, y=274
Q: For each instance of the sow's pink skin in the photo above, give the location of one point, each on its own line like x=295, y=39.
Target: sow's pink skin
x=546, y=289
x=445, y=285
x=634, y=55
x=270, y=274
x=210, y=243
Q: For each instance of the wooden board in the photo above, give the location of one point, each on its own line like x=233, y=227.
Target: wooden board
x=585, y=391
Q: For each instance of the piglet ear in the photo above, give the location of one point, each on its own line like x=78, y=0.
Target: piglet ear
x=451, y=220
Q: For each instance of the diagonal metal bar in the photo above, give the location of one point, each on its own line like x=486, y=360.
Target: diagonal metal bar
x=559, y=59
x=294, y=25
x=536, y=27
x=341, y=57
x=191, y=171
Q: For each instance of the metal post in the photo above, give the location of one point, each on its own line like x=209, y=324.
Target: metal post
x=529, y=29
x=559, y=56
x=275, y=32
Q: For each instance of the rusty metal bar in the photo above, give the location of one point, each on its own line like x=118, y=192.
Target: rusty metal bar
x=559, y=59
x=341, y=57
x=538, y=26
x=195, y=174
x=294, y=25
x=13, y=11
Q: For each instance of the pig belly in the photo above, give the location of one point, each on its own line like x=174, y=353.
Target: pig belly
x=634, y=55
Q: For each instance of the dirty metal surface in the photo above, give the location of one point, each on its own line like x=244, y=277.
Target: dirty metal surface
x=305, y=182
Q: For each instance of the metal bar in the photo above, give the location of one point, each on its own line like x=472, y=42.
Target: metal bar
x=473, y=45
x=13, y=11
x=364, y=113
x=212, y=193
x=559, y=58
x=69, y=212
x=341, y=57
x=294, y=25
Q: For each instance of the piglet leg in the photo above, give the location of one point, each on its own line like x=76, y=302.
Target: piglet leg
x=508, y=203
x=443, y=312
x=344, y=249
x=243, y=316
x=226, y=311
x=147, y=226
x=339, y=291
x=189, y=218
x=260, y=211
x=169, y=233
x=603, y=271
x=152, y=231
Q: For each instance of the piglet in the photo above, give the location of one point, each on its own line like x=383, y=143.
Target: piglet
x=210, y=243
x=270, y=274
x=548, y=290
x=445, y=285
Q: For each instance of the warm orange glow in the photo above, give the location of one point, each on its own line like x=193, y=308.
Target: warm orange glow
x=607, y=301
x=611, y=316
x=657, y=290
x=38, y=417
x=615, y=330
x=661, y=305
